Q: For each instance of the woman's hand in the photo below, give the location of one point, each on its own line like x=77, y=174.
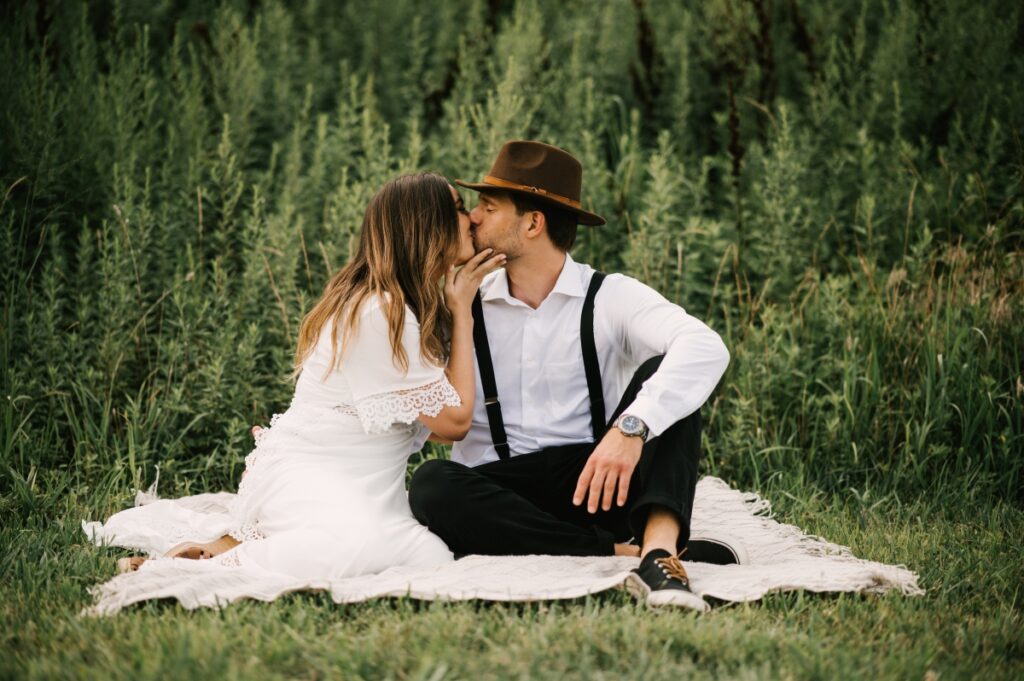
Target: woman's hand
x=460, y=287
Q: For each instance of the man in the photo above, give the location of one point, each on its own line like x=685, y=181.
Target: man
x=542, y=470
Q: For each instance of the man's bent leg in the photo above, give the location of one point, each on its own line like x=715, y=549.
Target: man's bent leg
x=666, y=477
x=666, y=484
x=473, y=512
x=661, y=531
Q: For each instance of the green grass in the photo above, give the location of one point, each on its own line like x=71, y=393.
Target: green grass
x=967, y=625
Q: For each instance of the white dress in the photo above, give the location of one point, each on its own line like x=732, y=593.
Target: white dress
x=323, y=497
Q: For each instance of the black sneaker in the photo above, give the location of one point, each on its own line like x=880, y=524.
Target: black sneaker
x=661, y=580
x=715, y=551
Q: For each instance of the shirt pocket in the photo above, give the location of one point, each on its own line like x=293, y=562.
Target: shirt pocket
x=567, y=389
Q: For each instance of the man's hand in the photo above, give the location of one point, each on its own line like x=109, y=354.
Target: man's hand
x=611, y=463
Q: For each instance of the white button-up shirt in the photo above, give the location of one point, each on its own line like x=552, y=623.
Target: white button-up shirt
x=538, y=361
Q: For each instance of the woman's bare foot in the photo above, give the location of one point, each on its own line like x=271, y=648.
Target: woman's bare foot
x=191, y=550
x=198, y=551
x=130, y=564
x=627, y=550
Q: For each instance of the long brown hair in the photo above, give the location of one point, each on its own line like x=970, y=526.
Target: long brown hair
x=410, y=235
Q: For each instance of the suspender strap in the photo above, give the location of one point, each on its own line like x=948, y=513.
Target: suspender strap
x=483, y=360
x=590, y=364
x=591, y=367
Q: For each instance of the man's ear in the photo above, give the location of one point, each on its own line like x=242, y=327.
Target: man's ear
x=538, y=224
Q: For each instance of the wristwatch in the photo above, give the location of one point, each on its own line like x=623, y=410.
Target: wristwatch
x=632, y=426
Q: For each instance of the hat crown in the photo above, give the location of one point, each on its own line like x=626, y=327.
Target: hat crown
x=536, y=164
x=550, y=174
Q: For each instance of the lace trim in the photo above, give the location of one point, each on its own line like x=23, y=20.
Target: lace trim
x=378, y=413
x=247, y=532
x=229, y=558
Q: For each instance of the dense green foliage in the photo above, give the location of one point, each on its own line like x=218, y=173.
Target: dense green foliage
x=836, y=187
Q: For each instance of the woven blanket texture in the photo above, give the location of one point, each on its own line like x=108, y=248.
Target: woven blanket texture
x=775, y=557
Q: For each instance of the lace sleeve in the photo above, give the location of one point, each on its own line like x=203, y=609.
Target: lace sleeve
x=379, y=412
x=382, y=393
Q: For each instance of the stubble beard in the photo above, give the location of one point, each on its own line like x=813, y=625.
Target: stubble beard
x=510, y=245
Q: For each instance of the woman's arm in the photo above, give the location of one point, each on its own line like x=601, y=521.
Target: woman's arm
x=434, y=437
x=453, y=422
x=460, y=288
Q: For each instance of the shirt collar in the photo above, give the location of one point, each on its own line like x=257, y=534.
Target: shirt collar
x=569, y=283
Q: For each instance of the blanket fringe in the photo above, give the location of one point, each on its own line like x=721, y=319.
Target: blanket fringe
x=745, y=519
x=150, y=495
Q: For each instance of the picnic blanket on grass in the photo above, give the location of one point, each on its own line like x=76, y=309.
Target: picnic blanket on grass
x=774, y=557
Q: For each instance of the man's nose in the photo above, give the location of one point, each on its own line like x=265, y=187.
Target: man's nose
x=475, y=217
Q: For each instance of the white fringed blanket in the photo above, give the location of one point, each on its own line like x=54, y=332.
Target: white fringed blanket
x=775, y=557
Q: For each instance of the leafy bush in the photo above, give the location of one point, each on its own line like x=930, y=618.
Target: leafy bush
x=836, y=189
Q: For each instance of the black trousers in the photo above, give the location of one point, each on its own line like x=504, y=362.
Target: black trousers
x=523, y=505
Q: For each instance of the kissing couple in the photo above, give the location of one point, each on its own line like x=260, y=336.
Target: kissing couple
x=515, y=361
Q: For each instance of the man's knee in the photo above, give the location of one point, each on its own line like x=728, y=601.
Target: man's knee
x=693, y=421
x=647, y=369
x=431, y=487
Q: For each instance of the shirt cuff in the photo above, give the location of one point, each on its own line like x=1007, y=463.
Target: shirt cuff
x=651, y=413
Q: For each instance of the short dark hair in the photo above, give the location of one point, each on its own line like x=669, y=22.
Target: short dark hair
x=562, y=223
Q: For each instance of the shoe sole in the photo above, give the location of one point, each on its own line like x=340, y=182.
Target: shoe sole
x=668, y=597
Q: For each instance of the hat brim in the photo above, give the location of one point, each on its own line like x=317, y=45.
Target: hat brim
x=584, y=217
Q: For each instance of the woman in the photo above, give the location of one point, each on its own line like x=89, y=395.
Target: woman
x=323, y=495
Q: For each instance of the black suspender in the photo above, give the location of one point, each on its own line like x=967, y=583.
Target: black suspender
x=483, y=359
x=591, y=367
x=590, y=363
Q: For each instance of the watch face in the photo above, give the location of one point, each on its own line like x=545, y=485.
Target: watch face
x=630, y=424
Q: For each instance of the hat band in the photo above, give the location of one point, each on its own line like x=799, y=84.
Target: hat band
x=498, y=182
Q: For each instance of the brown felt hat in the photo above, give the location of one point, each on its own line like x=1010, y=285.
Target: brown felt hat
x=541, y=171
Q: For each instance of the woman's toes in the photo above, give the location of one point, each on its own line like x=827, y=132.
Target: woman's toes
x=130, y=564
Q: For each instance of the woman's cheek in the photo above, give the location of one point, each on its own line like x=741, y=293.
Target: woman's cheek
x=465, y=251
